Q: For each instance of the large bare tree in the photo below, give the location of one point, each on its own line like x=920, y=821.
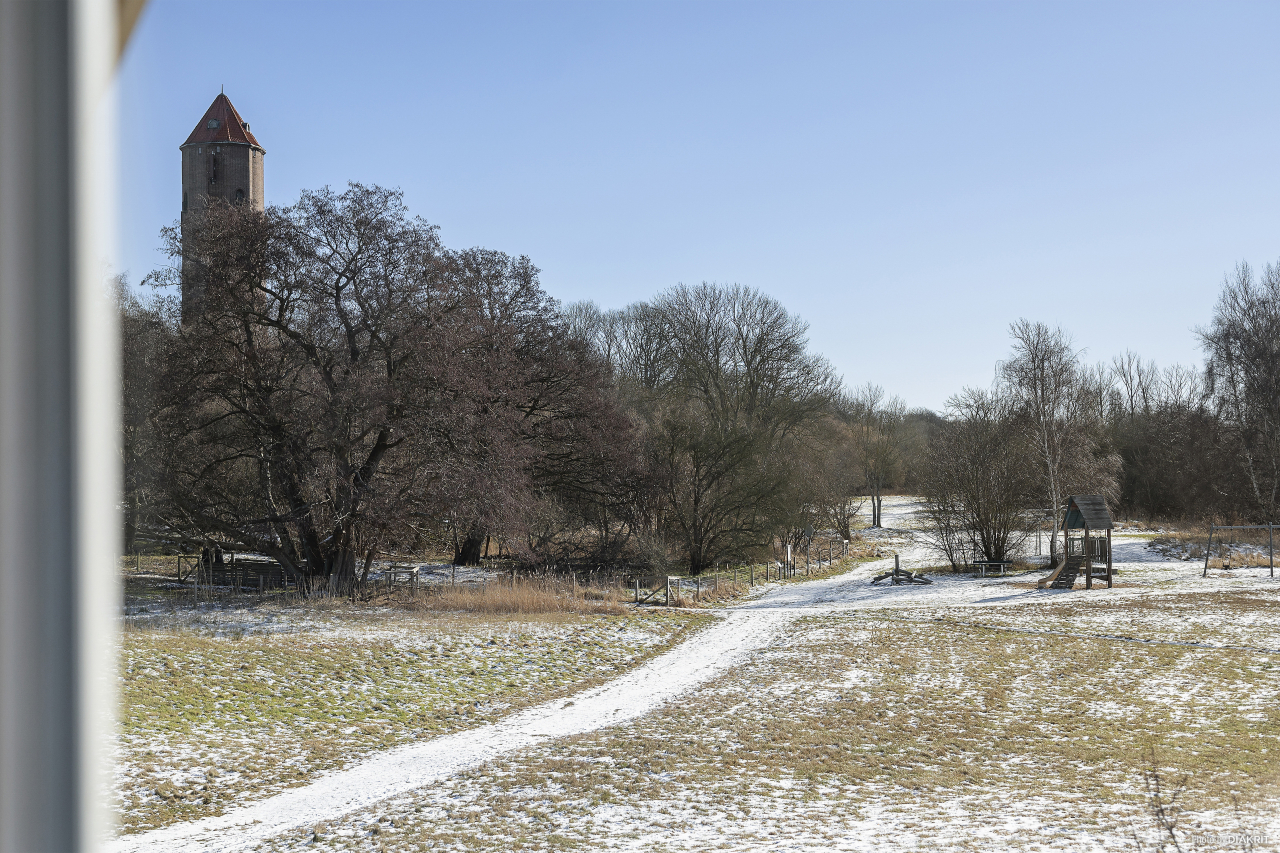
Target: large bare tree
x=980, y=478
x=725, y=385
x=1243, y=348
x=345, y=384
x=1044, y=375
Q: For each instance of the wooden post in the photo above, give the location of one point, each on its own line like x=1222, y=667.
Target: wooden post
x=1271, y=548
x=1088, y=556
x=668, y=590
x=637, y=590
x=752, y=575
x=453, y=576
x=1109, y=578
x=1207, y=549
x=697, y=588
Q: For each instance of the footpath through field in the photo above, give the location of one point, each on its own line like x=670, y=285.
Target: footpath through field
x=742, y=629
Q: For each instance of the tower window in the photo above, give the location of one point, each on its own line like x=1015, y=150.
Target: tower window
x=184, y=202
x=239, y=196
x=213, y=122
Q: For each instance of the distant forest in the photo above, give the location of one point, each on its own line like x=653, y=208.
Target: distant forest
x=342, y=386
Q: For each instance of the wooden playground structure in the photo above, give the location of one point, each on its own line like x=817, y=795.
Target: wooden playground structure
x=1086, y=547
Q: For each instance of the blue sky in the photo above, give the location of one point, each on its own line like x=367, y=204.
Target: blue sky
x=908, y=177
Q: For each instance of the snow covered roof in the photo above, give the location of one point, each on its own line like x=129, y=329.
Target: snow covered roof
x=1087, y=511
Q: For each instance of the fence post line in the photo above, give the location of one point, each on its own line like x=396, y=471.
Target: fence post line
x=1207, y=550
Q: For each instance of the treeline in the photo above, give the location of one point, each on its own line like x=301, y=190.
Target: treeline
x=340, y=386
x=1179, y=443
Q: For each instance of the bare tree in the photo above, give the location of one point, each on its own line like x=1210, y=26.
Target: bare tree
x=1243, y=371
x=1044, y=375
x=878, y=422
x=723, y=380
x=347, y=383
x=980, y=478
x=836, y=475
x=143, y=340
x=1138, y=381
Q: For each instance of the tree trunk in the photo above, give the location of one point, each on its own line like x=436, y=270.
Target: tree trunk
x=467, y=553
x=344, y=571
x=130, y=523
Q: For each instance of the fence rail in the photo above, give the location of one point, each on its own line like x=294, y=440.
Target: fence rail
x=240, y=573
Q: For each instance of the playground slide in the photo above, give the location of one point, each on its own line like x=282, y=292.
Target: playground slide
x=1059, y=564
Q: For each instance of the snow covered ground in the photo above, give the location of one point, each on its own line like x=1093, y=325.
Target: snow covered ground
x=923, y=683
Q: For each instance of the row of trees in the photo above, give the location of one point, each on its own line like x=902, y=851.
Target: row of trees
x=344, y=386
x=1172, y=443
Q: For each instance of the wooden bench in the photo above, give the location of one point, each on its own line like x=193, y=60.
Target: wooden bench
x=984, y=565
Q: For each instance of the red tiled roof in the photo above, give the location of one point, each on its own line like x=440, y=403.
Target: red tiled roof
x=221, y=123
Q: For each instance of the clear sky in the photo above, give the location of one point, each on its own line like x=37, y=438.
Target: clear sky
x=908, y=177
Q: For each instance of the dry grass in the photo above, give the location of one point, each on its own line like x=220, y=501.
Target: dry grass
x=1231, y=548
x=519, y=597
x=1246, y=618
x=224, y=710
x=894, y=736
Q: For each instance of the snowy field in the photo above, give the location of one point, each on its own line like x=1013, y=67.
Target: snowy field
x=969, y=714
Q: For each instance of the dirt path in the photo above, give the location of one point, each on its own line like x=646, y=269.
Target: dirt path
x=743, y=629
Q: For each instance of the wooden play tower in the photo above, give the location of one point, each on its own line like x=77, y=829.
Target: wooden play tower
x=1086, y=533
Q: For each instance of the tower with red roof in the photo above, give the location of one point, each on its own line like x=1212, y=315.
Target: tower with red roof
x=221, y=159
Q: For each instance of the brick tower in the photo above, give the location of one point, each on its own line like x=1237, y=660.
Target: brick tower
x=220, y=159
